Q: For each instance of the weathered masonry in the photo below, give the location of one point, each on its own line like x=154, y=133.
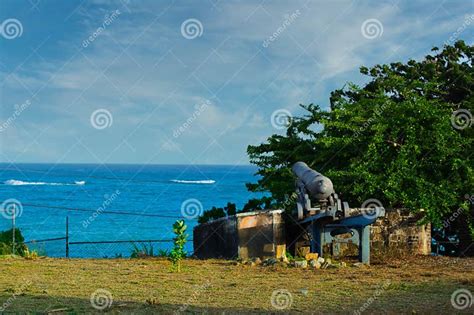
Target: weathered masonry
x=264, y=234
x=245, y=235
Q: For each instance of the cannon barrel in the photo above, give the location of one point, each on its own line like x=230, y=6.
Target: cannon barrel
x=317, y=185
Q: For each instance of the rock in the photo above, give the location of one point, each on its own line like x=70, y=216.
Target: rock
x=359, y=265
x=300, y=263
x=313, y=263
x=256, y=260
x=311, y=256
x=270, y=262
x=320, y=260
x=304, y=291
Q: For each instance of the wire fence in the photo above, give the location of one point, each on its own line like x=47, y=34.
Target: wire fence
x=63, y=247
x=92, y=244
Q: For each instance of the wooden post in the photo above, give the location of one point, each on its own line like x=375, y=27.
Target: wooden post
x=13, y=228
x=67, y=237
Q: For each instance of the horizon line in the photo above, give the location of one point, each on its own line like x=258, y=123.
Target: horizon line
x=151, y=164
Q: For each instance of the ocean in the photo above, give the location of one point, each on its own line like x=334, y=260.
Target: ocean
x=114, y=203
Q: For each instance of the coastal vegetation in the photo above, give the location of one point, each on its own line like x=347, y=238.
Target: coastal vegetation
x=6, y=243
x=404, y=138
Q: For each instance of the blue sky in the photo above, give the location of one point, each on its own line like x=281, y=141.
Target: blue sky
x=181, y=98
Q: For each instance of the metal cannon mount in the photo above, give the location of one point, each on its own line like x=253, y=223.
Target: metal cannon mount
x=325, y=216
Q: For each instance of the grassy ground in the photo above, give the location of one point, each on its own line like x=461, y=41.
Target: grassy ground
x=420, y=285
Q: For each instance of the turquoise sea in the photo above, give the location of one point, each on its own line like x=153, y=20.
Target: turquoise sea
x=114, y=202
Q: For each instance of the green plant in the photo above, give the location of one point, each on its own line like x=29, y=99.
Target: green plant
x=142, y=251
x=6, y=247
x=163, y=253
x=216, y=213
x=178, y=252
x=30, y=254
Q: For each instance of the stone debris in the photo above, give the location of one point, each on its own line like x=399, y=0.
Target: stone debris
x=313, y=263
x=270, y=262
x=300, y=263
x=311, y=256
x=359, y=265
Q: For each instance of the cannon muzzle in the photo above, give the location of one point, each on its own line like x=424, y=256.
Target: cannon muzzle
x=317, y=185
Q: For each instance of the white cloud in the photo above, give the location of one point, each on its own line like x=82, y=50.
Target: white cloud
x=152, y=87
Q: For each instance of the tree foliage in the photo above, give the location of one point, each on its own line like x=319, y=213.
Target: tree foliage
x=392, y=139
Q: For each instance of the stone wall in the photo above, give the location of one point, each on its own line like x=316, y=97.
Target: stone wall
x=398, y=232
x=216, y=239
x=245, y=235
x=262, y=234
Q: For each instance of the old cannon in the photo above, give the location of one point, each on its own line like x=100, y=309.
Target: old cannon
x=325, y=216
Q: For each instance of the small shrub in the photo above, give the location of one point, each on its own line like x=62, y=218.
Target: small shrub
x=178, y=252
x=216, y=213
x=30, y=254
x=6, y=243
x=144, y=251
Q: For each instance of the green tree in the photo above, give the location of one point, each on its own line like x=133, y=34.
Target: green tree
x=395, y=139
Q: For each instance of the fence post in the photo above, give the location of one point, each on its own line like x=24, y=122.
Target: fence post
x=67, y=237
x=13, y=228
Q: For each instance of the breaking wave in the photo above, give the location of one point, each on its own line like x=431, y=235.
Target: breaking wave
x=14, y=182
x=205, y=181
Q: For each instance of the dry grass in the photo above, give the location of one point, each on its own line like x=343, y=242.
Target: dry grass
x=420, y=285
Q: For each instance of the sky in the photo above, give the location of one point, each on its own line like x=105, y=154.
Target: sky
x=190, y=82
